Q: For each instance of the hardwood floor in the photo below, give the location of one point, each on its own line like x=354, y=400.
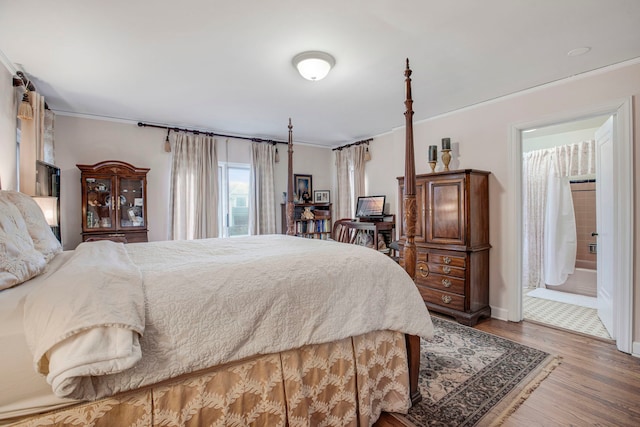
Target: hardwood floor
x=595, y=385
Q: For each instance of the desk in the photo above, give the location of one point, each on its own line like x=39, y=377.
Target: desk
x=347, y=230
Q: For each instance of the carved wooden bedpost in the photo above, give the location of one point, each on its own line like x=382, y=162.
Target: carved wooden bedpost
x=409, y=250
x=290, y=223
x=409, y=198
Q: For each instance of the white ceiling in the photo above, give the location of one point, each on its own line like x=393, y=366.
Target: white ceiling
x=225, y=66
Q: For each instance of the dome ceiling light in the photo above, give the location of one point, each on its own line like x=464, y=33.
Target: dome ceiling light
x=313, y=65
x=578, y=51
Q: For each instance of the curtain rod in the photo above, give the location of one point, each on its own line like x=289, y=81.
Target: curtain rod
x=364, y=141
x=198, y=132
x=21, y=80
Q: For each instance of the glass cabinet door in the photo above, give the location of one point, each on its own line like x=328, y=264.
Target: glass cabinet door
x=100, y=205
x=131, y=202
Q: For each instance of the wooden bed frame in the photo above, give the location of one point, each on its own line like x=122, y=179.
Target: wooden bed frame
x=410, y=215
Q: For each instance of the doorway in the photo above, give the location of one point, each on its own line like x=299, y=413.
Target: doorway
x=560, y=274
x=622, y=212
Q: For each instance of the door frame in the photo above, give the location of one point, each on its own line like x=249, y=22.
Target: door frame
x=623, y=216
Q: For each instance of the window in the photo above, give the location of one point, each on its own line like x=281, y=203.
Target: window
x=234, y=197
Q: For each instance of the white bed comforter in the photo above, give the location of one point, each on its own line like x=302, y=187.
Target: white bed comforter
x=214, y=301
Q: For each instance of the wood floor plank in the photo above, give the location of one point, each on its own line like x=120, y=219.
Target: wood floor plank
x=594, y=385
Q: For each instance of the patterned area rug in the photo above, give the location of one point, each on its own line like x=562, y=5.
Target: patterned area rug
x=469, y=377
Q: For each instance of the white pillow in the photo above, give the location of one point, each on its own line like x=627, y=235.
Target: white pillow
x=19, y=260
x=44, y=240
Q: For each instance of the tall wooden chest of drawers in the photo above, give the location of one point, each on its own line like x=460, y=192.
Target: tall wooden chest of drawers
x=452, y=242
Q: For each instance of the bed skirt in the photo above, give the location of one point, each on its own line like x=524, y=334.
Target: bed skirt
x=342, y=383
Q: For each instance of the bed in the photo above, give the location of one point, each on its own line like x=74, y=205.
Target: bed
x=262, y=330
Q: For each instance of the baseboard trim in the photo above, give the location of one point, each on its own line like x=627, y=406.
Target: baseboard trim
x=635, y=350
x=499, y=313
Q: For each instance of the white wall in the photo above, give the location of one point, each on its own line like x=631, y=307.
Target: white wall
x=386, y=164
x=89, y=141
x=8, y=111
x=480, y=137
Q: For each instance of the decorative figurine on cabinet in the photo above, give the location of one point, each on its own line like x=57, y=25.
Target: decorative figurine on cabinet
x=307, y=214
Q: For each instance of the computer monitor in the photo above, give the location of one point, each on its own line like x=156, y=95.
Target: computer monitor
x=370, y=206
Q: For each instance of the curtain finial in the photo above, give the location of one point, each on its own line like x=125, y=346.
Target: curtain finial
x=25, y=112
x=167, y=144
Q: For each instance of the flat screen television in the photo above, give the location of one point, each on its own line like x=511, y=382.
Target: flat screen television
x=370, y=206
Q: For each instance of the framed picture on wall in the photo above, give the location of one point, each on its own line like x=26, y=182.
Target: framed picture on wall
x=303, y=188
x=321, y=196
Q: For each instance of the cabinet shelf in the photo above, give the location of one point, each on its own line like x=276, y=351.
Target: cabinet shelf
x=319, y=227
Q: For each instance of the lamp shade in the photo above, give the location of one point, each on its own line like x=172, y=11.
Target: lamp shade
x=49, y=206
x=313, y=65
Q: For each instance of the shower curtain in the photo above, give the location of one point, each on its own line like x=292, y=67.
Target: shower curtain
x=560, y=237
x=549, y=244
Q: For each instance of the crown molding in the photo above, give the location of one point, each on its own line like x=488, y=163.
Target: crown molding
x=93, y=117
x=7, y=63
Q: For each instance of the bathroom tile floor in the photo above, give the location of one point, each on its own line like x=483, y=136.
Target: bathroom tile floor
x=565, y=316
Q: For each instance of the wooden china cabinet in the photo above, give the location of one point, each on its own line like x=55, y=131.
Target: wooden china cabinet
x=452, y=242
x=114, y=202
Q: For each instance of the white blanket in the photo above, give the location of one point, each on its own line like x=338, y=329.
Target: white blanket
x=214, y=301
x=87, y=319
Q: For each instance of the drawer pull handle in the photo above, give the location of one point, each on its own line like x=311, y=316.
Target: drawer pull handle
x=424, y=272
x=447, y=260
x=446, y=283
x=116, y=235
x=446, y=299
x=446, y=269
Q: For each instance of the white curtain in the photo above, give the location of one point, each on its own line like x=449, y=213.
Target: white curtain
x=549, y=232
x=32, y=145
x=576, y=159
x=33, y=130
x=48, y=145
x=536, y=166
x=350, y=167
x=262, y=208
x=194, y=187
x=560, y=236
x=357, y=153
x=343, y=206
x=38, y=132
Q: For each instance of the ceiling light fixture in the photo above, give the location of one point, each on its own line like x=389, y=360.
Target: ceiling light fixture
x=313, y=65
x=578, y=51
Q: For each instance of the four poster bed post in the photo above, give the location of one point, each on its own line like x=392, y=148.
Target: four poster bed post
x=409, y=203
x=290, y=223
x=409, y=251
